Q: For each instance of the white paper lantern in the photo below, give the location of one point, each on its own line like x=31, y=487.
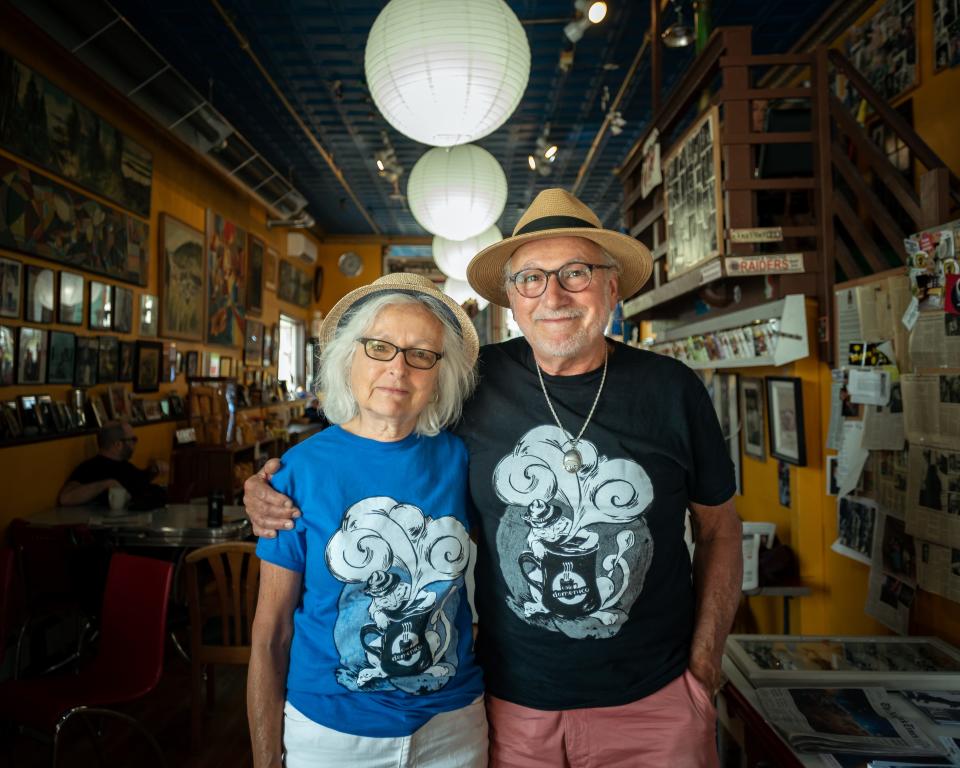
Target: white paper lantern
x=452, y=256
x=457, y=192
x=445, y=72
x=460, y=291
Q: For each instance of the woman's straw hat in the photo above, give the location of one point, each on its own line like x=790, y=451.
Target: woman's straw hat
x=557, y=213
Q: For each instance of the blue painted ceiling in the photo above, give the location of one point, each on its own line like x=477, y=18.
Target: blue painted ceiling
x=311, y=46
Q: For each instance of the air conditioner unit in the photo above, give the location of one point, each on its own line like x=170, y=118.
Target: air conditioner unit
x=299, y=246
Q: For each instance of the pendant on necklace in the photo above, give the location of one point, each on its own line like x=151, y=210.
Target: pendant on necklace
x=572, y=460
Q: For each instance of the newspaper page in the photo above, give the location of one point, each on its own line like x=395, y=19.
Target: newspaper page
x=883, y=425
x=851, y=720
x=848, y=320
x=869, y=386
x=938, y=570
x=856, y=522
x=872, y=306
x=899, y=298
x=933, y=495
x=940, y=707
x=838, y=381
x=931, y=408
x=935, y=341
x=852, y=456
x=892, y=584
x=891, y=484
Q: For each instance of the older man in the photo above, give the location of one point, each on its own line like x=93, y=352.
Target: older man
x=600, y=644
x=92, y=480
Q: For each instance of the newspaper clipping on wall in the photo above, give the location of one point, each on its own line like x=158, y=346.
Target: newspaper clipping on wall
x=856, y=522
x=883, y=427
x=938, y=570
x=935, y=341
x=852, y=720
x=933, y=495
x=893, y=574
x=931, y=408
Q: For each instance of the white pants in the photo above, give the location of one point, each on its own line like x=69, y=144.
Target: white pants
x=456, y=739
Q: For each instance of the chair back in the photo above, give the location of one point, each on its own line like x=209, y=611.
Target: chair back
x=133, y=622
x=222, y=585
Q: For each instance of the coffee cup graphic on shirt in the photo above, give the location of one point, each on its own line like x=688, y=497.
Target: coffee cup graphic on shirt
x=568, y=579
x=403, y=649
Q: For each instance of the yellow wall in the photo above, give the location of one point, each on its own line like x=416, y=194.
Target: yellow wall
x=183, y=186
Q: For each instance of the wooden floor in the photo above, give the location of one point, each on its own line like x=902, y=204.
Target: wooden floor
x=166, y=714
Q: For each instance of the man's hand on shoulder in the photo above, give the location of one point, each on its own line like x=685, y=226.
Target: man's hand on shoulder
x=268, y=510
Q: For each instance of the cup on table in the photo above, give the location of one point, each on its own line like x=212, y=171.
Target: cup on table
x=118, y=498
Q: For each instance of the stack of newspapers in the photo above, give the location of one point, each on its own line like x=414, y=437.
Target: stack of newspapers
x=861, y=721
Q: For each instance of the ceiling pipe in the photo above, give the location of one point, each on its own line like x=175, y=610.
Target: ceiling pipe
x=303, y=221
x=245, y=46
x=614, y=106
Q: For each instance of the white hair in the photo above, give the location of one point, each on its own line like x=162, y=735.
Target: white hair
x=455, y=381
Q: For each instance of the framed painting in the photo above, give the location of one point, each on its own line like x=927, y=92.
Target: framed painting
x=61, y=357
x=8, y=360
x=270, y=260
x=108, y=358
x=226, y=246
x=70, y=309
x=101, y=306
x=11, y=276
x=40, y=295
x=148, y=316
x=183, y=281
x=125, y=364
x=86, y=363
x=293, y=285
x=52, y=129
x=255, y=276
x=885, y=661
x=785, y=419
x=32, y=368
x=122, y=310
x=79, y=232
x=751, y=408
x=253, y=344
x=148, y=361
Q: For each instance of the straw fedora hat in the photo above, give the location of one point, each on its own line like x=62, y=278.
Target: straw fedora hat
x=410, y=284
x=557, y=213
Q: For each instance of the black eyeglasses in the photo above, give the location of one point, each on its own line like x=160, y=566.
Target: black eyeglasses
x=384, y=351
x=573, y=277
x=130, y=439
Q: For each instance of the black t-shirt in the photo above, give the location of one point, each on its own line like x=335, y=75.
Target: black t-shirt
x=583, y=579
x=137, y=481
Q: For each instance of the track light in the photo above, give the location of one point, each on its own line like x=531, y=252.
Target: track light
x=587, y=13
x=532, y=162
x=678, y=34
x=550, y=152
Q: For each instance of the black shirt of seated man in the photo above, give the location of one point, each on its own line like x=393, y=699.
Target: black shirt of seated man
x=145, y=495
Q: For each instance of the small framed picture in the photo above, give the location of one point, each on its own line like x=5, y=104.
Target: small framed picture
x=61, y=357
x=98, y=411
x=270, y=260
x=147, y=364
x=70, y=310
x=118, y=401
x=148, y=316
x=193, y=363
x=49, y=414
x=785, y=419
x=87, y=362
x=8, y=360
x=33, y=356
x=226, y=366
x=122, y=310
x=11, y=278
x=751, y=406
x=213, y=366
x=40, y=298
x=125, y=365
x=29, y=416
x=152, y=410
x=253, y=345
x=11, y=419
x=108, y=359
x=101, y=305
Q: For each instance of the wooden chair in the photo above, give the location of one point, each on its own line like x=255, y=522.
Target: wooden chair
x=222, y=585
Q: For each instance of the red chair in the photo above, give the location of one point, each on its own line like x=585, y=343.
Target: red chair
x=128, y=663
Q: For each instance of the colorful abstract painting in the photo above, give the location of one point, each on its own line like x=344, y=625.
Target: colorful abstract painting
x=40, y=217
x=43, y=124
x=182, y=280
x=226, y=246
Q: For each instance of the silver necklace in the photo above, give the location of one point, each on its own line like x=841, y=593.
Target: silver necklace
x=572, y=459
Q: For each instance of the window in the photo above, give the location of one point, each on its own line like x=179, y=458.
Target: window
x=291, y=352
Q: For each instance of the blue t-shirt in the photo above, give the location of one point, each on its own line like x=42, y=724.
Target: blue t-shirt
x=382, y=636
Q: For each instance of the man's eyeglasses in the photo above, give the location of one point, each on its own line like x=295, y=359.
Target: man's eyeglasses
x=384, y=351
x=573, y=277
x=130, y=439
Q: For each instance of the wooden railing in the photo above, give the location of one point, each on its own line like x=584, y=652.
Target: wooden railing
x=844, y=228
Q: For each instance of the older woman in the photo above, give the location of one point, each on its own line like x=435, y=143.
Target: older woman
x=362, y=644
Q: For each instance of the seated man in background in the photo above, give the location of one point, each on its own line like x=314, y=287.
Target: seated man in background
x=92, y=480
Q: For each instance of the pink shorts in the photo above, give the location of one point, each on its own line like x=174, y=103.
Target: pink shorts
x=675, y=727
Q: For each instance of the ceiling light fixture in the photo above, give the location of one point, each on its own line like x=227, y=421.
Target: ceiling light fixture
x=551, y=152
x=532, y=162
x=678, y=34
x=587, y=13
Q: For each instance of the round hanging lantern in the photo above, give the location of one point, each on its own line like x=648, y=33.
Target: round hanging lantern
x=460, y=291
x=457, y=192
x=452, y=256
x=446, y=73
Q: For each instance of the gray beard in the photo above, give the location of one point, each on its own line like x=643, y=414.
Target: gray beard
x=573, y=345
